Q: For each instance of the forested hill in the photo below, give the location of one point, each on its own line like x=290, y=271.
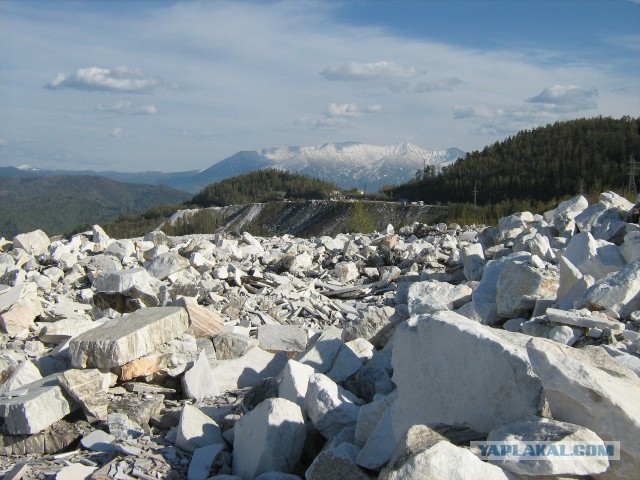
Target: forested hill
x=263, y=186
x=61, y=203
x=545, y=163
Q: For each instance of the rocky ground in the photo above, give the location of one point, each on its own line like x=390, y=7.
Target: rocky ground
x=353, y=356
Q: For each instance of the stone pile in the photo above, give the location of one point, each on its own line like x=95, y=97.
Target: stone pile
x=357, y=356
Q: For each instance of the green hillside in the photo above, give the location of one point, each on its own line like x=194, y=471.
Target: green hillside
x=546, y=163
x=263, y=186
x=59, y=204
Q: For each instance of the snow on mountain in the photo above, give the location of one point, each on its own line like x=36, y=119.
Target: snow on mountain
x=360, y=165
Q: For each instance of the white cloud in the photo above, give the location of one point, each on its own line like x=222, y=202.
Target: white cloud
x=327, y=122
x=351, y=109
x=125, y=107
x=442, y=85
x=117, y=80
x=117, y=132
x=475, y=111
x=568, y=98
x=354, y=71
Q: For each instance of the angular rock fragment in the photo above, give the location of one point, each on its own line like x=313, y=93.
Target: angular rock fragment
x=433, y=296
x=591, y=389
x=282, y=338
x=87, y=387
x=34, y=243
x=452, y=370
x=124, y=339
x=204, y=322
x=121, y=280
x=199, y=381
x=330, y=407
x=250, y=369
x=323, y=352
x=269, y=438
x=294, y=382
x=166, y=264
x=232, y=345
x=579, y=319
x=473, y=261
x=519, y=286
x=619, y=292
x=197, y=430
x=337, y=462
x=351, y=356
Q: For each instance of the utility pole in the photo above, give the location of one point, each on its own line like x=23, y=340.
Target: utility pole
x=632, y=177
x=475, y=193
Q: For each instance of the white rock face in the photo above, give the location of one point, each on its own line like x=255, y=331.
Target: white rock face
x=619, y=291
x=34, y=243
x=346, y=271
x=283, y=338
x=23, y=374
x=19, y=316
x=593, y=257
x=254, y=366
x=294, y=382
x=351, y=356
x=321, y=354
x=269, y=438
x=86, y=387
x=519, y=286
x=591, y=389
x=433, y=296
x=166, y=264
x=199, y=381
x=565, y=334
x=124, y=339
x=380, y=444
x=369, y=324
x=421, y=454
x=35, y=406
x=121, y=280
x=537, y=429
x=473, y=260
x=484, y=296
x=566, y=211
x=330, y=407
x=630, y=248
x=197, y=430
x=452, y=370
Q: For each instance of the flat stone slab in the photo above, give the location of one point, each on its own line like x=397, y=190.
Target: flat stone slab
x=578, y=320
x=124, y=339
x=283, y=338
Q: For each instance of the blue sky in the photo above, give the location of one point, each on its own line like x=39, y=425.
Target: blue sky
x=180, y=85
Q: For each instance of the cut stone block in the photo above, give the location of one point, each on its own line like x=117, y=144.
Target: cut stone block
x=124, y=339
x=121, y=280
x=87, y=388
x=580, y=320
x=204, y=322
x=58, y=332
x=35, y=406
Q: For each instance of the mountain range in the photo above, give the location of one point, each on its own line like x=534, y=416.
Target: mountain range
x=349, y=165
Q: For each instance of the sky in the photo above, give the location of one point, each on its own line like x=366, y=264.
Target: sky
x=179, y=85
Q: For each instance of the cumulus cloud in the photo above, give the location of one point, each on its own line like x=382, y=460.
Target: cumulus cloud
x=125, y=107
x=567, y=98
x=116, y=80
x=117, y=132
x=354, y=71
x=336, y=116
x=475, y=111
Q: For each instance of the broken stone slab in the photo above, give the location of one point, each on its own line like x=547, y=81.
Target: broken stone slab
x=197, y=430
x=204, y=322
x=484, y=295
x=282, y=338
x=351, y=356
x=596, y=258
x=139, y=411
x=346, y=271
x=166, y=264
x=20, y=315
x=579, y=319
x=230, y=345
x=519, y=285
x=423, y=453
x=538, y=429
x=380, y=445
x=323, y=352
x=58, y=332
x=22, y=374
x=249, y=370
x=35, y=406
x=88, y=388
x=452, y=370
x=591, y=389
x=120, y=248
x=602, y=222
x=473, y=261
x=565, y=334
x=59, y=436
x=294, y=382
x=75, y=471
x=433, y=296
x=369, y=416
x=98, y=441
x=372, y=324
x=330, y=407
x=337, y=462
x=34, y=243
x=199, y=381
x=202, y=461
x=121, y=340
x=268, y=438
x=121, y=280
x=619, y=292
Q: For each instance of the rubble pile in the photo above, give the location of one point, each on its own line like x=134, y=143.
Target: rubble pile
x=356, y=356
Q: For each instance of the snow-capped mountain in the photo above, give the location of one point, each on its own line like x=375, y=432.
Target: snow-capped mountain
x=349, y=165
